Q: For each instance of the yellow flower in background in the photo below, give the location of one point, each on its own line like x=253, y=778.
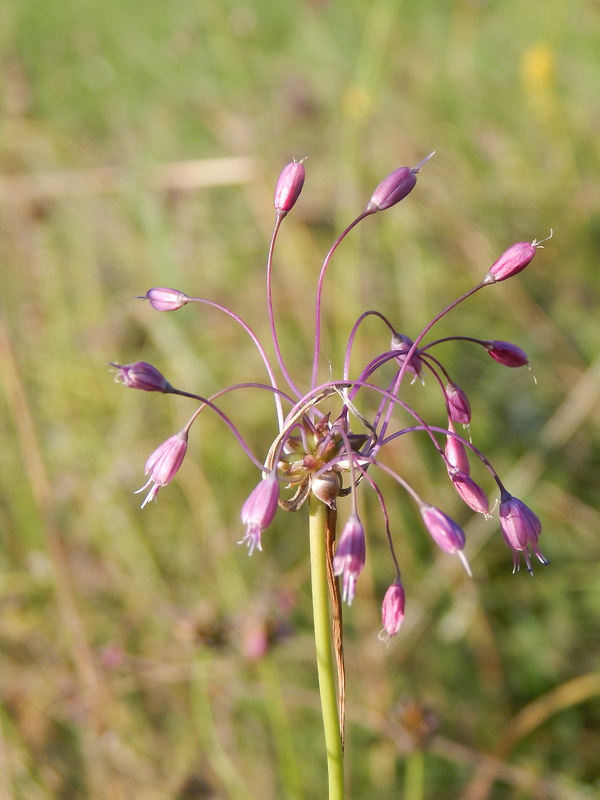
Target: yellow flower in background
x=537, y=68
x=357, y=103
x=538, y=81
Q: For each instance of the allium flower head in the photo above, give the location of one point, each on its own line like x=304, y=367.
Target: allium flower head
x=332, y=433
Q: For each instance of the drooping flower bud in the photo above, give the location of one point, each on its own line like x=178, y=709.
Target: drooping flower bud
x=459, y=408
x=163, y=299
x=470, y=492
x=163, y=464
x=350, y=555
x=142, y=375
x=447, y=534
x=521, y=529
x=513, y=260
x=395, y=187
x=258, y=511
x=507, y=354
x=288, y=186
x=455, y=452
x=403, y=344
x=392, y=610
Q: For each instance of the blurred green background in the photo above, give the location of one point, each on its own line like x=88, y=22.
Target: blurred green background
x=127, y=637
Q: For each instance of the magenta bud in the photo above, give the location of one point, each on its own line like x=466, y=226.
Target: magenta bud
x=259, y=510
x=162, y=299
x=350, y=555
x=507, y=354
x=142, y=375
x=455, y=452
x=392, y=189
x=470, y=492
x=163, y=464
x=459, y=408
x=395, y=187
x=447, y=534
x=513, y=260
x=392, y=609
x=288, y=186
x=521, y=529
x=403, y=344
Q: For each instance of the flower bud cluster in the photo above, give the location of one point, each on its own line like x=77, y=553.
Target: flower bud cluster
x=324, y=457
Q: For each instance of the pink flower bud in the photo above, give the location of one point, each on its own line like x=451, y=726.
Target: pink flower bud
x=507, y=354
x=470, y=492
x=259, y=510
x=392, y=189
x=288, y=186
x=447, y=534
x=163, y=464
x=350, y=555
x=456, y=453
x=395, y=187
x=513, y=260
x=521, y=529
x=162, y=299
x=403, y=344
x=142, y=375
x=459, y=408
x=392, y=609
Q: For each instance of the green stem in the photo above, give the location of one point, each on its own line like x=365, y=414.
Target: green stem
x=414, y=775
x=324, y=648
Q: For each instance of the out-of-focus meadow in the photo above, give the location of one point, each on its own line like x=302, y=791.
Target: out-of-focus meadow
x=128, y=638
